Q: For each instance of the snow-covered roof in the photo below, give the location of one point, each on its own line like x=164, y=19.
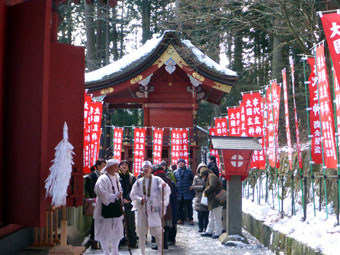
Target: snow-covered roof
x=201, y=57
x=124, y=62
x=145, y=56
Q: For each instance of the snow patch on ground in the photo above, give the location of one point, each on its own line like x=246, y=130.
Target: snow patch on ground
x=317, y=232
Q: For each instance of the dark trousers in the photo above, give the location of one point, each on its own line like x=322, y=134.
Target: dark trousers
x=92, y=230
x=182, y=205
x=203, y=218
x=173, y=233
x=131, y=226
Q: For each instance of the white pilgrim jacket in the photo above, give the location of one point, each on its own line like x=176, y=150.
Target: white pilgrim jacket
x=153, y=204
x=112, y=227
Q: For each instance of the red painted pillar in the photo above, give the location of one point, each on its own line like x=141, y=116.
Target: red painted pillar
x=2, y=85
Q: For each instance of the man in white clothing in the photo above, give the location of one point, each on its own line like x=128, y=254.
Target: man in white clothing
x=146, y=196
x=108, y=190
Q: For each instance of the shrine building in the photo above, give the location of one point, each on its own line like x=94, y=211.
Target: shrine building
x=167, y=77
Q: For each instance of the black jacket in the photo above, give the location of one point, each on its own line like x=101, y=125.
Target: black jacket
x=213, y=167
x=91, y=180
x=127, y=180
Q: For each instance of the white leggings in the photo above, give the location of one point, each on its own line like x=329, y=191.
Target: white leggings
x=142, y=231
x=114, y=246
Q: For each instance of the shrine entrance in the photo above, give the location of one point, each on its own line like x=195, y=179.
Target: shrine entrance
x=166, y=78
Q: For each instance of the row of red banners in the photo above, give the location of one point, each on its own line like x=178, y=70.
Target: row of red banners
x=179, y=145
x=92, y=132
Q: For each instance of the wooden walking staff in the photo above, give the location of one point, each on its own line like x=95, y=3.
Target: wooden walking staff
x=125, y=227
x=163, y=220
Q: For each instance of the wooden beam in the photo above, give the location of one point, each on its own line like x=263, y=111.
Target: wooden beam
x=127, y=106
x=15, y=2
x=125, y=100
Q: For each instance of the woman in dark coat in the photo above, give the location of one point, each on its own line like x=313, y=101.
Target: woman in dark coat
x=198, y=186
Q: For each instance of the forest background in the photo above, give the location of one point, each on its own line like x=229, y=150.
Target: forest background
x=254, y=38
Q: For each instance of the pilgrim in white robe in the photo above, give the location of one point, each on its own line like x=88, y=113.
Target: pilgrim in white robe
x=107, y=230
x=149, y=214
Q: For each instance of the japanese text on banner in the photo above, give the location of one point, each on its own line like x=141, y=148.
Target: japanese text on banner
x=221, y=126
x=157, y=145
x=254, y=124
x=326, y=110
x=176, y=141
x=184, y=152
x=234, y=117
x=87, y=135
x=273, y=97
x=331, y=26
x=117, y=143
x=139, y=135
x=285, y=97
x=96, y=117
x=314, y=117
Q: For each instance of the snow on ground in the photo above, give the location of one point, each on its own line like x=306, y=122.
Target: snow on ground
x=189, y=241
x=317, y=232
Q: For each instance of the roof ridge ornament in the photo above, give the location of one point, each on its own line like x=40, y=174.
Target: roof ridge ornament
x=170, y=65
x=193, y=81
x=146, y=81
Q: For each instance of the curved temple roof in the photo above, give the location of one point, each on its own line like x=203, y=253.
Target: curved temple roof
x=154, y=53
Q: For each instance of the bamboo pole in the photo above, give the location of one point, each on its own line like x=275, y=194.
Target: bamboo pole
x=63, y=227
x=297, y=139
x=322, y=149
x=35, y=236
x=309, y=136
x=337, y=143
x=56, y=239
x=50, y=225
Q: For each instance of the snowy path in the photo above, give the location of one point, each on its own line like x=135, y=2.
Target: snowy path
x=189, y=241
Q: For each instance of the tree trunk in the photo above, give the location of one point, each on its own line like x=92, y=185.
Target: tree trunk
x=107, y=34
x=114, y=35
x=146, y=13
x=277, y=55
x=99, y=35
x=238, y=49
x=90, y=37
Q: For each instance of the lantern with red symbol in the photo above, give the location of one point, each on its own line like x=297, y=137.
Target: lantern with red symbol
x=235, y=153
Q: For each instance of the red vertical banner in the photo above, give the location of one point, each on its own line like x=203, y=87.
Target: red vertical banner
x=297, y=132
x=331, y=26
x=87, y=135
x=285, y=97
x=243, y=128
x=254, y=123
x=96, y=119
x=326, y=110
x=212, y=131
x=184, y=149
x=273, y=94
x=221, y=126
x=157, y=145
x=175, y=145
x=138, y=149
x=314, y=116
x=117, y=143
x=337, y=101
x=234, y=117
x=212, y=150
